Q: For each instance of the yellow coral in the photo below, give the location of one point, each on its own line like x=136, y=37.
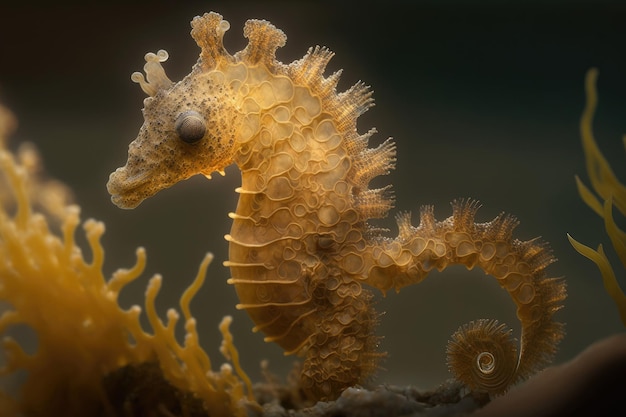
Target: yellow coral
x=83, y=334
x=610, y=190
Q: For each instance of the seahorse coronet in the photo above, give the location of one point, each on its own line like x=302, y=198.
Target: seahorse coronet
x=301, y=245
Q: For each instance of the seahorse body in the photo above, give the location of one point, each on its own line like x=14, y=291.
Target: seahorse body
x=300, y=244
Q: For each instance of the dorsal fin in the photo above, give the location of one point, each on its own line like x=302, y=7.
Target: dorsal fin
x=537, y=254
x=310, y=70
x=427, y=219
x=358, y=144
x=263, y=41
x=352, y=103
x=405, y=229
x=463, y=213
x=313, y=64
x=501, y=228
x=208, y=32
x=372, y=162
x=328, y=85
x=376, y=203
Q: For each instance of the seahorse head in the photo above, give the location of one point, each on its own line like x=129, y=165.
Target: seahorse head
x=189, y=126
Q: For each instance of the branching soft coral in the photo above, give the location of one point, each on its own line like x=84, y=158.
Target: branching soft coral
x=84, y=337
x=611, y=193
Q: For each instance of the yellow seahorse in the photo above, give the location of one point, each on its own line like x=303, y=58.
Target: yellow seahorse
x=300, y=244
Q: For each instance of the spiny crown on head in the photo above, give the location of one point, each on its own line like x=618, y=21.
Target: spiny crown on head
x=191, y=126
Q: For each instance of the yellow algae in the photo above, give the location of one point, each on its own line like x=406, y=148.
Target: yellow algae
x=45, y=194
x=611, y=193
x=83, y=335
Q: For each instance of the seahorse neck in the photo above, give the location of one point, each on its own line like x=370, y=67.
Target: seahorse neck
x=286, y=145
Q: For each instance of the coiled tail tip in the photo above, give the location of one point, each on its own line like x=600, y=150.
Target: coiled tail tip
x=483, y=356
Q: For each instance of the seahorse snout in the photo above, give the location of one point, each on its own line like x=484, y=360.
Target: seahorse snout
x=128, y=191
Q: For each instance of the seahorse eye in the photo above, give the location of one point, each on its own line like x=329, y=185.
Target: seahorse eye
x=190, y=126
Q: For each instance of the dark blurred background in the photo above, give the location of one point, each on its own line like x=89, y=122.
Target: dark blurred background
x=483, y=101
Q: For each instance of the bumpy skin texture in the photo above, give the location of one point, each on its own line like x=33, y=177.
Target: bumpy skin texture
x=300, y=243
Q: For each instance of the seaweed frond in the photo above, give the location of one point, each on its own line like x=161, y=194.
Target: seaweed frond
x=609, y=193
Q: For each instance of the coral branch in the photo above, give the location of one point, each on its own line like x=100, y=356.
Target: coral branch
x=84, y=337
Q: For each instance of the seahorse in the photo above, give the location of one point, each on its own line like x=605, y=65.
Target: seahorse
x=301, y=246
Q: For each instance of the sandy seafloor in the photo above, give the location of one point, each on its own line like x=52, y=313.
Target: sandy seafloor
x=591, y=384
x=483, y=101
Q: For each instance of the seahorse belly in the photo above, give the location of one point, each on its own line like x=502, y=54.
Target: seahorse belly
x=294, y=226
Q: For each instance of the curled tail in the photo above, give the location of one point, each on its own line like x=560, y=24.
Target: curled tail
x=482, y=354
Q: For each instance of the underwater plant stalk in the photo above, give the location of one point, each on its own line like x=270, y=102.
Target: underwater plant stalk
x=612, y=193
